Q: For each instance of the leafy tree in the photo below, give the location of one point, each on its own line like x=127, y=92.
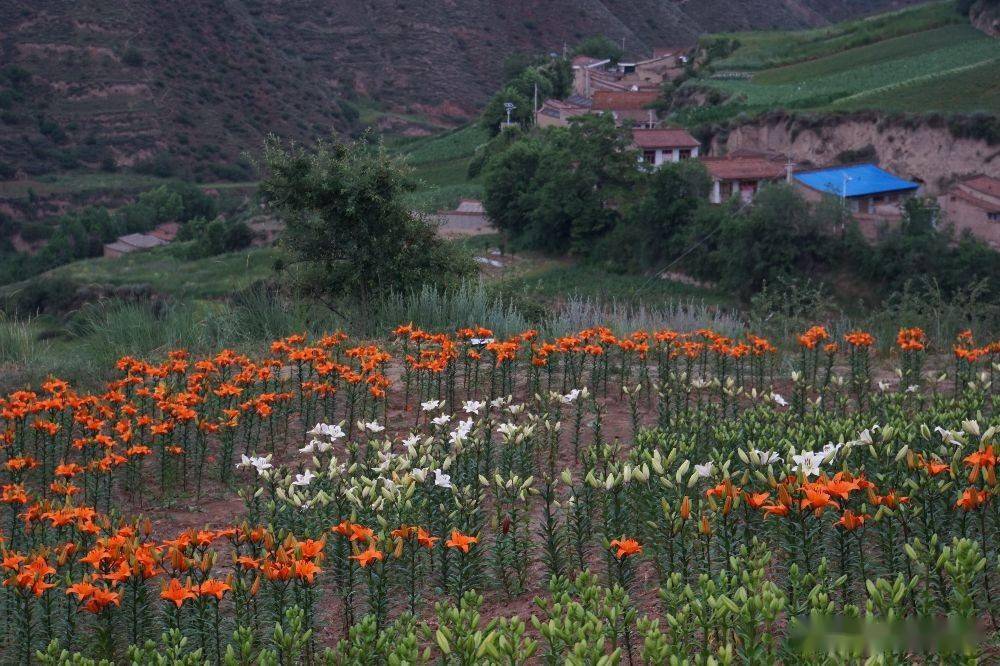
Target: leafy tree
x=559, y=190
x=600, y=47
x=673, y=195
x=508, y=178
x=553, y=77
x=348, y=230
x=495, y=113
x=776, y=238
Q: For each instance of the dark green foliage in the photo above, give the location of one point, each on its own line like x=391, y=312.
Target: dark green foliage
x=777, y=237
x=600, y=47
x=553, y=78
x=557, y=191
x=216, y=236
x=44, y=295
x=349, y=232
x=83, y=233
x=662, y=217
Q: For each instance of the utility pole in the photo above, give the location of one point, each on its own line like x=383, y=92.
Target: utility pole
x=534, y=115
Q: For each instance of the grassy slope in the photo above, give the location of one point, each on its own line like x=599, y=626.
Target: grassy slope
x=440, y=165
x=916, y=60
x=165, y=272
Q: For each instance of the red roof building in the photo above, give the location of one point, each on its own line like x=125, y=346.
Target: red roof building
x=659, y=146
x=742, y=175
x=628, y=105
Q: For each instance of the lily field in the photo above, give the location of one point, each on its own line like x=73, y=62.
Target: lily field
x=661, y=497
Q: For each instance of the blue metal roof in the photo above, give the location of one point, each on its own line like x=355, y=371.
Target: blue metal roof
x=861, y=180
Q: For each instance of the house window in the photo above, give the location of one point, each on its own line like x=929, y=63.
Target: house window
x=685, y=153
x=993, y=217
x=877, y=199
x=725, y=189
x=649, y=156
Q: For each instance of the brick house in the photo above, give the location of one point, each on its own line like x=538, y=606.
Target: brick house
x=556, y=112
x=627, y=106
x=659, y=146
x=974, y=205
x=132, y=243
x=742, y=175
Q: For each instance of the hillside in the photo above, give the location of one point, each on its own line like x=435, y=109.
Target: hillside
x=927, y=59
x=162, y=86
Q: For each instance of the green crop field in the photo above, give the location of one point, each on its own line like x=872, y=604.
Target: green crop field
x=440, y=166
x=948, y=68
x=949, y=93
x=762, y=50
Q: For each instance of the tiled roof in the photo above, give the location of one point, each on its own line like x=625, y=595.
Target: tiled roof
x=985, y=184
x=674, y=137
x=141, y=241
x=743, y=168
x=616, y=101
x=973, y=200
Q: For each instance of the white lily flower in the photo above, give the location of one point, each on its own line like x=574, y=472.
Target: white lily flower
x=412, y=440
x=374, y=427
x=259, y=463
x=704, y=470
x=499, y=402
x=441, y=479
x=507, y=429
x=473, y=406
x=570, y=397
x=779, y=400
x=304, y=479
x=767, y=457
x=808, y=462
x=441, y=420
x=430, y=405
x=334, y=432
x=480, y=341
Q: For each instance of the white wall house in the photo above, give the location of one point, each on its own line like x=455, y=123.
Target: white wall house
x=659, y=146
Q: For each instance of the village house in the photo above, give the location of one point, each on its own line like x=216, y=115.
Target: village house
x=870, y=193
x=743, y=175
x=161, y=235
x=590, y=74
x=630, y=106
x=556, y=112
x=659, y=146
x=973, y=205
x=132, y=243
x=665, y=65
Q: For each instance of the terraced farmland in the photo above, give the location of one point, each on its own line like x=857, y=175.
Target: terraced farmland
x=919, y=64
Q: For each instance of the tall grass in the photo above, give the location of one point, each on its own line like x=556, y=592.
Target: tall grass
x=445, y=310
x=680, y=315
x=18, y=344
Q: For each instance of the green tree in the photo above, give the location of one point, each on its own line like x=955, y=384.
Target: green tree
x=348, y=231
x=495, y=113
x=560, y=190
x=673, y=195
x=600, y=47
x=777, y=237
